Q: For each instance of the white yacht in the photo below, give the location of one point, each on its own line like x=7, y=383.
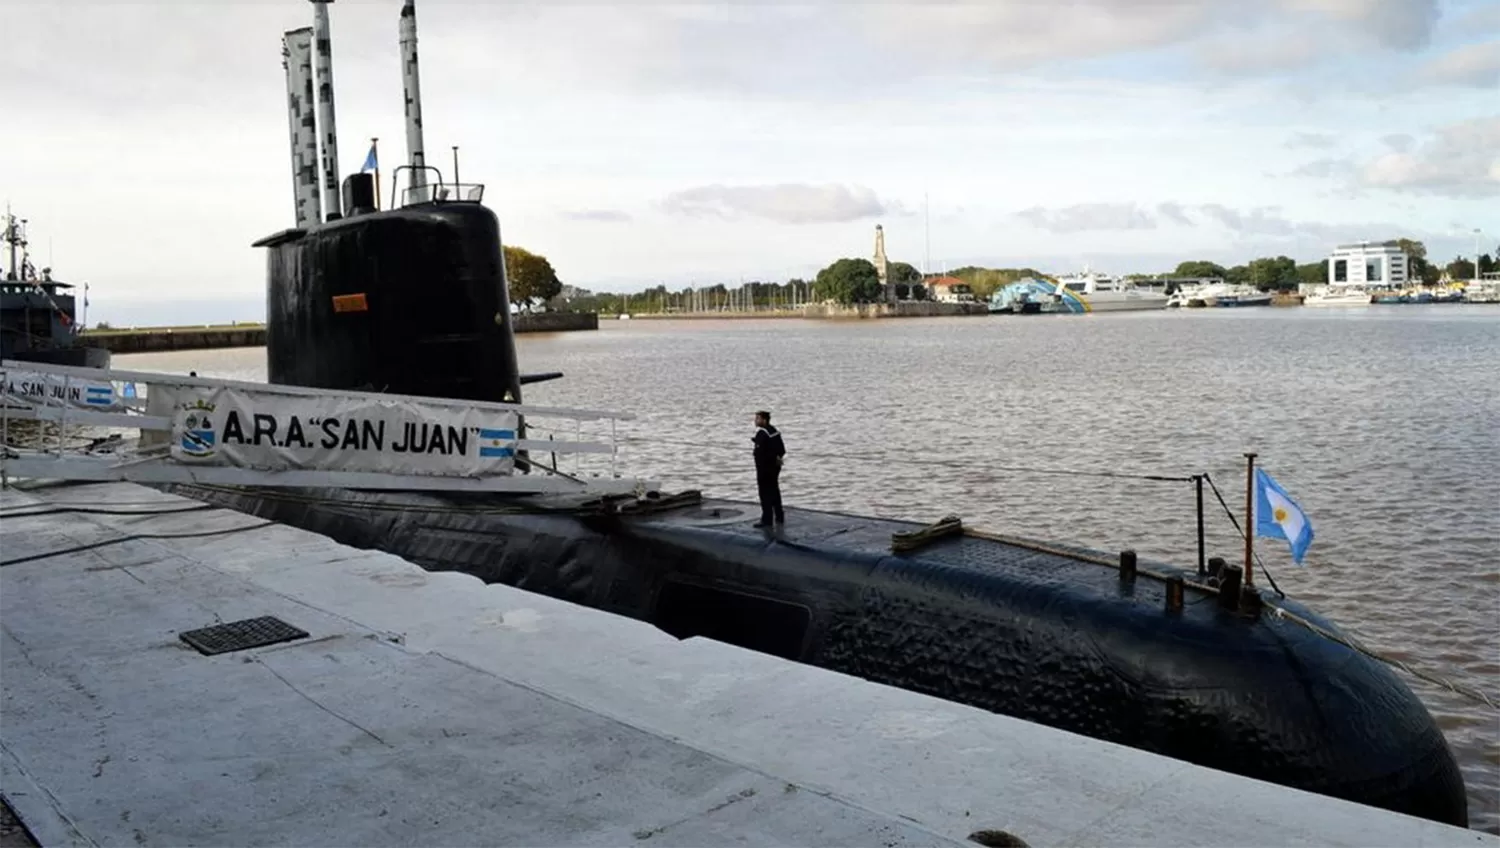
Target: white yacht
x=1220, y=294
x=1090, y=292
x=1338, y=296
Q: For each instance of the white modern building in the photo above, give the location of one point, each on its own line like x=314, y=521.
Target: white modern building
x=1369, y=264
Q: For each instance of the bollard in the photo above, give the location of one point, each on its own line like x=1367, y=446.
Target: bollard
x=1229, y=587
x=1174, y=595
x=1127, y=566
x=1216, y=568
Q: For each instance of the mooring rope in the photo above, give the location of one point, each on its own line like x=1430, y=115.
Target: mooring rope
x=953, y=463
x=1438, y=680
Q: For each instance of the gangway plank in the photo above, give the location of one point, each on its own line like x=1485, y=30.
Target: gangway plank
x=201, y=430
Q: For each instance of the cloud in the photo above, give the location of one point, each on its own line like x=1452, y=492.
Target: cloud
x=1460, y=160
x=1476, y=65
x=786, y=203
x=1399, y=142
x=1264, y=52
x=1085, y=217
x=1173, y=213
x=1242, y=37
x=1265, y=221
x=1326, y=168
x=1482, y=19
x=602, y=216
x=1266, y=225
x=1398, y=24
x=1320, y=141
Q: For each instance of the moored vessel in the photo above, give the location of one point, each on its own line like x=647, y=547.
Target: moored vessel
x=1327, y=296
x=38, y=315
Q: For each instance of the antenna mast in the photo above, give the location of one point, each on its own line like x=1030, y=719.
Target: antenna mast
x=323, y=50
x=411, y=89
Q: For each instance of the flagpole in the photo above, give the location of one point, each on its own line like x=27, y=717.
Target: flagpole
x=377, y=172
x=1249, y=517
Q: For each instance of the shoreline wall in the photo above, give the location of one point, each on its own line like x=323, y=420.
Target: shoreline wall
x=158, y=339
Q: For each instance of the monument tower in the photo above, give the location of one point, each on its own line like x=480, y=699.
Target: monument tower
x=881, y=269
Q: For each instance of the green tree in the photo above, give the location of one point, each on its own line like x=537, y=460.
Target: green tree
x=985, y=281
x=1313, y=272
x=848, y=281
x=530, y=277
x=1237, y=274
x=903, y=272
x=1460, y=269
x=1200, y=268
x=1268, y=273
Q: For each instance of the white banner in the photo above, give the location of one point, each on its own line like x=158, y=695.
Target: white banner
x=57, y=390
x=278, y=432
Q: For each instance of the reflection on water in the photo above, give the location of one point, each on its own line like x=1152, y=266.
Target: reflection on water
x=1382, y=422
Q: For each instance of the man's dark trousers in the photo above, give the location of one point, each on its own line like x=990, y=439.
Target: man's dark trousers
x=768, y=481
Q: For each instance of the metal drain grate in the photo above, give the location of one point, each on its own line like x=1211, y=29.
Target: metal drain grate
x=240, y=635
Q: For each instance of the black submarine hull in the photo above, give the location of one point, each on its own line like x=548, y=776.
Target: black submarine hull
x=415, y=301
x=1017, y=631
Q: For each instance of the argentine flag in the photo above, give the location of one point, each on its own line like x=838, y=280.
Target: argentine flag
x=1277, y=516
x=495, y=444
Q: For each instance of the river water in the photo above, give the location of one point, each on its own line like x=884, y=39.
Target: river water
x=1382, y=422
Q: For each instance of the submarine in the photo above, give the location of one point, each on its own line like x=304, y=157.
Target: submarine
x=413, y=299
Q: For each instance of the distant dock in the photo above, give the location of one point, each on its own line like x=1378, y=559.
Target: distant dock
x=253, y=334
x=188, y=337
x=828, y=312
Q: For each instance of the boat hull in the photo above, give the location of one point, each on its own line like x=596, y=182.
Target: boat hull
x=1003, y=627
x=1318, y=302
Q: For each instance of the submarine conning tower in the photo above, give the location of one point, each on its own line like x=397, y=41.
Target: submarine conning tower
x=411, y=299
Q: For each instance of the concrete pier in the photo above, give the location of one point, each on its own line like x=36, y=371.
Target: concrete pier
x=429, y=708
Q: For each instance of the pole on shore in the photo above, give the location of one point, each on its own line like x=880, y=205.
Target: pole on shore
x=1249, y=517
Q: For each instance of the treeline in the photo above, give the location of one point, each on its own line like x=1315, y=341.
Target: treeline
x=852, y=280
x=1280, y=273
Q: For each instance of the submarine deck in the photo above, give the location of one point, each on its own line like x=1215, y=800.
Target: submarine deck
x=428, y=707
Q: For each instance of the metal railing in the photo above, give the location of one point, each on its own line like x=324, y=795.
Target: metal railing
x=73, y=423
x=442, y=193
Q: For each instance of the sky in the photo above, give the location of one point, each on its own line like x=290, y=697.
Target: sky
x=636, y=144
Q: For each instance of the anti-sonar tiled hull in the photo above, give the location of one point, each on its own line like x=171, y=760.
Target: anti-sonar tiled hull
x=1005, y=627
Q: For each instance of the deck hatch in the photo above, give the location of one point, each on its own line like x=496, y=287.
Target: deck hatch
x=241, y=635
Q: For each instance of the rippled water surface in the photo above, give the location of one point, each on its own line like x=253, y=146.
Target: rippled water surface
x=1383, y=422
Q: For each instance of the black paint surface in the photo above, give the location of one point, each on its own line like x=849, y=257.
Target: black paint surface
x=438, y=322
x=1032, y=635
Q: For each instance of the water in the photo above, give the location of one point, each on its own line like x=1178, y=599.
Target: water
x=1384, y=423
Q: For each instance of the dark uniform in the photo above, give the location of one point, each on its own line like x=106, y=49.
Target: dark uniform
x=768, y=453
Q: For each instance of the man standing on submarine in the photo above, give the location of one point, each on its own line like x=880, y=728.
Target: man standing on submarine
x=769, y=452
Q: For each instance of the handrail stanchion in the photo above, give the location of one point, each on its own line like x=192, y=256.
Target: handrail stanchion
x=62, y=418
